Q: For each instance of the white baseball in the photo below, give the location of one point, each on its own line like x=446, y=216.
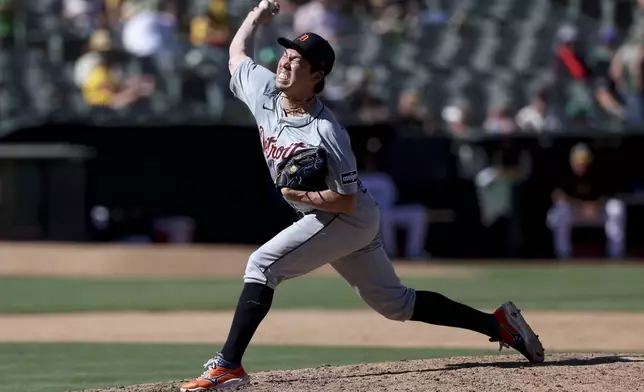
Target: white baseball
x=270, y=5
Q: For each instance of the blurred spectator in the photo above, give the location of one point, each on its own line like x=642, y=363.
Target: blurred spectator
x=538, y=116
x=570, y=63
x=6, y=22
x=113, y=14
x=106, y=86
x=638, y=13
x=579, y=200
x=149, y=35
x=82, y=16
x=498, y=121
x=457, y=118
x=99, y=42
x=626, y=70
x=318, y=16
x=389, y=18
x=413, y=117
x=211, y=27
x=172, y=39
x=572, y=76
x=498, y=186
x=413, y=218
x=471, y=158
x=605, y=87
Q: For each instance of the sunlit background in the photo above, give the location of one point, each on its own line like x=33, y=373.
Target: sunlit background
x=503, y=139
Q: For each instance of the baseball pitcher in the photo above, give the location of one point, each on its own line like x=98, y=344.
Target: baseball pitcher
x=309, y=157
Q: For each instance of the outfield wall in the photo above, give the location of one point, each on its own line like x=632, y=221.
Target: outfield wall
x=143, y=174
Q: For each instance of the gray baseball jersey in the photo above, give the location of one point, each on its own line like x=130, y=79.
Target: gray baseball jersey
x=349, y=242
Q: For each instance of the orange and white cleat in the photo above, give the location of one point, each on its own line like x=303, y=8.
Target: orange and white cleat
x=219, y=374
x=516, y=333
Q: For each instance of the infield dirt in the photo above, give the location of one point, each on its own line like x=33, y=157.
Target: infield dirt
x=562, y=372
x=564, y=331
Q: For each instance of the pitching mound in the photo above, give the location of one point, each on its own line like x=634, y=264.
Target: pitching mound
x=561, y=372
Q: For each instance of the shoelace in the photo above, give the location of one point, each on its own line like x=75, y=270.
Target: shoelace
x=209, y=365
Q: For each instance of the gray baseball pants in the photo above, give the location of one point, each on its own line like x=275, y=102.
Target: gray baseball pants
x=353, y=248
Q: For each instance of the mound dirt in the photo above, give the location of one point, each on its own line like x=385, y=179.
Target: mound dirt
x=560, y=372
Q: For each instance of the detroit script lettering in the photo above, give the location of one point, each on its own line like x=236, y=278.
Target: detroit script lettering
x=274, y=151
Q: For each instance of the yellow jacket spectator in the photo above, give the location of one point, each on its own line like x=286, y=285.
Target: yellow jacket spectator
x=99, y=86
x=211, y=27
x=99, y=42
x=205, y=29
x=199, y=28
x=104, y=87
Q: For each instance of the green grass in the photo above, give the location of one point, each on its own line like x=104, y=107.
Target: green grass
x=597, y=288
x=59, y=367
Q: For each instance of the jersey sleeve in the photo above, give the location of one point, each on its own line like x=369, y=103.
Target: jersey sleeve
x=250, y=82
x=343, y=173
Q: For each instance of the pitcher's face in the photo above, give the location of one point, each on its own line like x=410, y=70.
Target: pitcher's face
x=294, y=73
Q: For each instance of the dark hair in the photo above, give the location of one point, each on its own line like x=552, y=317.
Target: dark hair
x=319, y=86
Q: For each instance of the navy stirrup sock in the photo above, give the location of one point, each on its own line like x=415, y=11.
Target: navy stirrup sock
x=254, y=303
x=435, y=308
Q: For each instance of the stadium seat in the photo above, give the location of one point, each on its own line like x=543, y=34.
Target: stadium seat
x=484, y=48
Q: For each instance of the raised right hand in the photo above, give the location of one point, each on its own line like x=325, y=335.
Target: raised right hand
x=268, y=10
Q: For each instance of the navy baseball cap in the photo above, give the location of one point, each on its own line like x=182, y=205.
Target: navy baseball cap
x=313, y=48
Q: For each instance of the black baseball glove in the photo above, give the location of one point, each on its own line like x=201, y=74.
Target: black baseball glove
x=306, y=170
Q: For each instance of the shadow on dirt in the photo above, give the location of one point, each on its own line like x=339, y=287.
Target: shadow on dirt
x=600, y=360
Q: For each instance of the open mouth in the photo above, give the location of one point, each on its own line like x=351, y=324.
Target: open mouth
x=282, y=75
